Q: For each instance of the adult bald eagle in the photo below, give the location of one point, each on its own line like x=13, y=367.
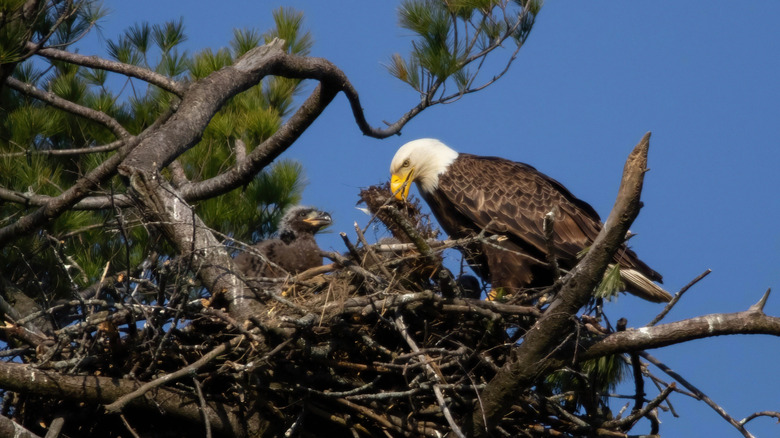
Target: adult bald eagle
x=469, y=193
x=294, y=251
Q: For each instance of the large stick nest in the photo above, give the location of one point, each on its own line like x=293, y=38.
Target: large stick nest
x=381, y=342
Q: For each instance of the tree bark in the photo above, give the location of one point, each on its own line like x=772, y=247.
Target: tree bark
x=716, y=324
x=91, y=389
x=162, y=206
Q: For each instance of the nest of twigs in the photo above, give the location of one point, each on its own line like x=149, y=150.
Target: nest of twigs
x=381, y=342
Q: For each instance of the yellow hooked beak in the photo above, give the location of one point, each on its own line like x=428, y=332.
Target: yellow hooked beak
x=399, y=184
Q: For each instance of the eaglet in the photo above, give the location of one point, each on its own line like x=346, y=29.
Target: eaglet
x=294, y=251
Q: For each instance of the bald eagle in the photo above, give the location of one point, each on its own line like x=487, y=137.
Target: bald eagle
x=469, y=193
x=294, y=251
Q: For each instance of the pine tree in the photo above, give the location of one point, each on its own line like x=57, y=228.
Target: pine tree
x=45, y=149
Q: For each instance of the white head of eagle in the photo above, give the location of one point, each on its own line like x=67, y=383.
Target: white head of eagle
x=421, y=161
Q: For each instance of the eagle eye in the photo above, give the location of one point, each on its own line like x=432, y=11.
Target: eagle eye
x=406, y=163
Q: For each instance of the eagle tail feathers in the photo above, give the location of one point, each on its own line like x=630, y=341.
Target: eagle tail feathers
x=641, y=286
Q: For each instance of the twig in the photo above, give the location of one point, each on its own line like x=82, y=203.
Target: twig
x=627, y=423
x=350, y=247
x=370, y=414
x=759, y=306
x=402, y=328
x=419, y=242
x=121, y=402
x=128, y=427
x=232, y=322
x=434, y=244
x=750, y=417
x=351, y=266
x=370, y=252
x=700, y=395
x=677, y=297
x=55, y=428
x=340, y=394
x=636, y=366
x=202, y=400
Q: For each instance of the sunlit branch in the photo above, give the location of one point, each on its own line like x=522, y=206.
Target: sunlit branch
x=65, y=152
x=144, y=74
x=66, y=105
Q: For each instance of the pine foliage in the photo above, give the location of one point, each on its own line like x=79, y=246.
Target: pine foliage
x=453, y=41
x=35, y=138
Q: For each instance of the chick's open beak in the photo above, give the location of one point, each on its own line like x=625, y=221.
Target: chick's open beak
x=319, y=219
x=399, y=181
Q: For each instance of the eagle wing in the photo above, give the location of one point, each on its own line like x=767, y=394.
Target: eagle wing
x=511, y=198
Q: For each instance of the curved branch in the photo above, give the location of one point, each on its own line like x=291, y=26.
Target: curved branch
x=265, y=153
x=717, y=324
x=66, y=105
x=144, y=74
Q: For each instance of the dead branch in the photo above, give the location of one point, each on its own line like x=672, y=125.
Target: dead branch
x=627, y=422
x=699, y=394
x=676, y=298
x=716, y=324
x=11, y=428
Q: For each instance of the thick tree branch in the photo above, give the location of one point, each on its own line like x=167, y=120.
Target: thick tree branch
x=264, y=153
x=104, y=390
x=10, y=428
x=186, y=231
x=717, y=324
x=541, y=341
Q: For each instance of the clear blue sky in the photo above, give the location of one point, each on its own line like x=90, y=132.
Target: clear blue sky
x=703, y=76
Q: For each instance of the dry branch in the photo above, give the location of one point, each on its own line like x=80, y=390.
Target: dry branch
x=26, y=379
x=717, y=324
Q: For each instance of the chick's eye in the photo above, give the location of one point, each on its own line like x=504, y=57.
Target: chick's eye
x=302, y=214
